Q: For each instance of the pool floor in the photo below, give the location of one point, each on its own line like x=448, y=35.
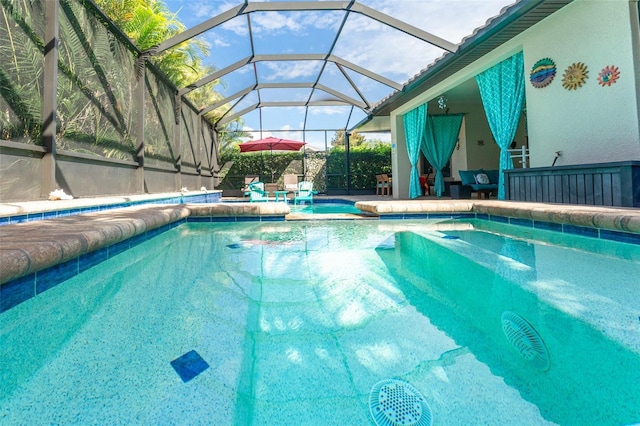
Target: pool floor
x=291, y=323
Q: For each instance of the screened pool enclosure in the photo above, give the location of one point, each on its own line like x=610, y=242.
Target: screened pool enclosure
x=86, y=111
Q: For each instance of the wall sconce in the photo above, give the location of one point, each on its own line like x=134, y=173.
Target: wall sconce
x=442, y=102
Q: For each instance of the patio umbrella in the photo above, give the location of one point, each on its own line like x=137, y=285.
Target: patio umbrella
x=271, y=144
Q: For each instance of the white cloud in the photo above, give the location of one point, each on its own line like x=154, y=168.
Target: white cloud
x=287, y=132
x=202, y=9
x=381, y=54
x=322, y=20
x=219, y=42
x=296, y=22
x=274, y=21
x=237, y=25
x=328, y=110
x=449, y=19
x=292, y=70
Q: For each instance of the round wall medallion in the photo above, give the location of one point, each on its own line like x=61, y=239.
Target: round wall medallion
x=542, y=73
x=575, y=76
x=608, y=76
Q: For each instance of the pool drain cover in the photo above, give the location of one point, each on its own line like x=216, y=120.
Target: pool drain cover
x=525, y=339
x=395, y=402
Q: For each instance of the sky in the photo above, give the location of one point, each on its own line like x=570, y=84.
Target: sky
x=385, y=51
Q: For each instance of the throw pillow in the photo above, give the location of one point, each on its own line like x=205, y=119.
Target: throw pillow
x=482, y=179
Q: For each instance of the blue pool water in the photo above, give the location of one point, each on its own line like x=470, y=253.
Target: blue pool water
x=325, y=208
x=292, y=323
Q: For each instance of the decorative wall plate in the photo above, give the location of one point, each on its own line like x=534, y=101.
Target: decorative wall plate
x=608, y=75
x=542, y=73
x=575, y=76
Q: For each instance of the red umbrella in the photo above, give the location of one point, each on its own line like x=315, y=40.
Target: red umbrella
x=271, y=144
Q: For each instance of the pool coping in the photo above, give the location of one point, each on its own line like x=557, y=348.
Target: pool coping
x=36, y=255
x=30, y=211
x=621, y=219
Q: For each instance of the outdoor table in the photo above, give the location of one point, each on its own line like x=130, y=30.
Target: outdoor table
x=283, y=194
x=271, y=187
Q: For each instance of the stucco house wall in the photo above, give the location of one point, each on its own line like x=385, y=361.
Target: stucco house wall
x=594, y=123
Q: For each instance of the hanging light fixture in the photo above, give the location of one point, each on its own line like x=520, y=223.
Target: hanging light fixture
x=442, y=102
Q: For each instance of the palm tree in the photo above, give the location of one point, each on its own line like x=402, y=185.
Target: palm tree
x=148, y=23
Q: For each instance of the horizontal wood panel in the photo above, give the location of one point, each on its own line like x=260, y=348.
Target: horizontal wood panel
x=615, y=184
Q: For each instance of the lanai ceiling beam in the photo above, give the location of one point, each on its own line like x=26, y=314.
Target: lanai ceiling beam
x=225, y=119
x=329, y=102
x=199, y=29
x=214, y=76
x=246, y=8
x=293, y=6
x=333, y=45
x=365, y=72
x=226, y=100
x=289, y=57
x=342, y=99
x=284, y=85
x=282, y=6
x=242, y=9
x=354, y=86
x=339, y=95
x=255, y=69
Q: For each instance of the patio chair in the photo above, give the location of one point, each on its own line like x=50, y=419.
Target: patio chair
x=290, y=182
x=248, y=179
x=257, y=192
x=383, y=185
x=304, y=193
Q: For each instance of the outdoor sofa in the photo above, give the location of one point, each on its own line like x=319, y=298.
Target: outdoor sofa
x=483, y=182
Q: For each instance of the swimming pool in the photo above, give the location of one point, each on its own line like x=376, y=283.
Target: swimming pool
x=294, y=322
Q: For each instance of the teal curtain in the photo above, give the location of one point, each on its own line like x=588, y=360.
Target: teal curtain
x=502, y=92
x=414, y=127
x=440, y=138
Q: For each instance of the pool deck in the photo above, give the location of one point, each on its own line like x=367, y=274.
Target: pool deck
x=29, y=247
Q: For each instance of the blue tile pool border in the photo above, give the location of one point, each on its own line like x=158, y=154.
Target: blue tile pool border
x=21, y=289
x=24, y=288
x=619, y=236
x=218, y=219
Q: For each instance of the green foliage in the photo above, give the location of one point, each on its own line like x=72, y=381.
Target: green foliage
x=22, y=49
x=365, y=163
x=355, y=139
x=268, y=166
x=228, y=141
x=96, y=112
x=148, y=23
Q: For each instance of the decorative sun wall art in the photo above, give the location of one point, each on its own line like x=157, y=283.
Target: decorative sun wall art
x=608, y=76
x=575, y=76
x=542, y=73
